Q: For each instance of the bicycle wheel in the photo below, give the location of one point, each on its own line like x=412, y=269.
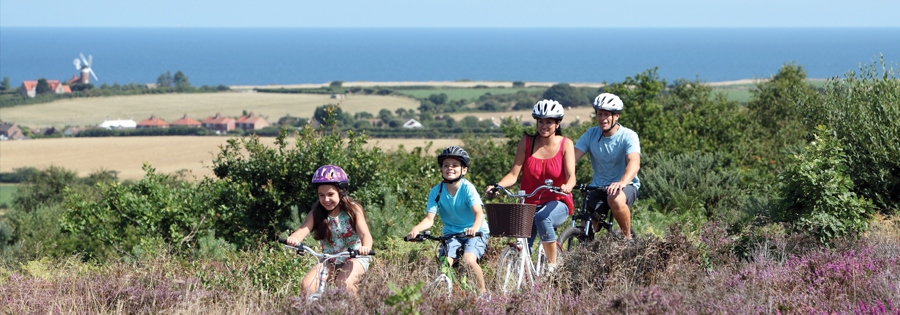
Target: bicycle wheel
x=572, y=238
x=466, y=279
x=507, y=274
x=440, y=285
x=544, y=260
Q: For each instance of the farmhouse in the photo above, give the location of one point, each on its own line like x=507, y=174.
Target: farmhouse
x=152, y=122
x=117, y=124
x=185, y=121
x=218, y=123
x=10, y=131
x=30, y=87
x=251, y=122
x=412, y=123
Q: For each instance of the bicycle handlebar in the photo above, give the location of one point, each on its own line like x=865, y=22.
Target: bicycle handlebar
x=552, y=189
x=585, y=187
x=302, y=248
x=423, y=236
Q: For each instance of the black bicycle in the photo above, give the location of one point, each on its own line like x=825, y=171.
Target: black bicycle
x=582, y=230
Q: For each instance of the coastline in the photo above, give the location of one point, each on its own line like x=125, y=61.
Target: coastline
x=465, y=84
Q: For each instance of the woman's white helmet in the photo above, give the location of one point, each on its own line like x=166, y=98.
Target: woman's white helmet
x=547, y=109
x=609, y=102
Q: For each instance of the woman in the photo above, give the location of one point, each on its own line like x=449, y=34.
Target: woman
x=545, y=155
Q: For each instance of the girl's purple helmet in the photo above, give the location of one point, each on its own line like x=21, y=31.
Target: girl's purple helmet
x=332, y=175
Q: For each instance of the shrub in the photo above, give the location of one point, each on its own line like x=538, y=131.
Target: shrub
x=817, y=192
x=864, y=109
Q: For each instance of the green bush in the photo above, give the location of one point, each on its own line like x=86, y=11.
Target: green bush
x=817, y=192
x=700, y=186
x=864, y=110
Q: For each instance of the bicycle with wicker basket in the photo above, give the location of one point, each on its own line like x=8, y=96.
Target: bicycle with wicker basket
x=516, y=220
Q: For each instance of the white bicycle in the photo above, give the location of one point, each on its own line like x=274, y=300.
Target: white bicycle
x=321, y=257
x=515, y=265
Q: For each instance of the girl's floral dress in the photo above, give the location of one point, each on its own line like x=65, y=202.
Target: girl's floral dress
x=343, y=236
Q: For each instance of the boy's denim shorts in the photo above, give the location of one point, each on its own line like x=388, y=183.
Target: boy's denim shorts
x=475, y=245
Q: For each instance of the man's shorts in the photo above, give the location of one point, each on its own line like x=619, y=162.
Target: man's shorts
x=597, y=199
x=475, y=245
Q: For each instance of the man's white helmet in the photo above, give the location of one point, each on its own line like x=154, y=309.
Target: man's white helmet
x=547, y=109
x=609, y=102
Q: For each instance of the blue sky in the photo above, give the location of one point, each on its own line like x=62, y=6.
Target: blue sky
x=459, y=13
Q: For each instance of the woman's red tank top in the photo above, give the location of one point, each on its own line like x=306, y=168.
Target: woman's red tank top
x=536, y=170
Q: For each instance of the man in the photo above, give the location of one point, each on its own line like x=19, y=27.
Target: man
x=615, y=158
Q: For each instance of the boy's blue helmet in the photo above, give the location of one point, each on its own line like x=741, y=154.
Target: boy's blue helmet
x=454, y=152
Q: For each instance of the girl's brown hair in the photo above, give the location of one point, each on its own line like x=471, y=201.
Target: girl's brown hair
x=320, y=215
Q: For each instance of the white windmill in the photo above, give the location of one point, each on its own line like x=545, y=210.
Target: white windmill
x=85, y=68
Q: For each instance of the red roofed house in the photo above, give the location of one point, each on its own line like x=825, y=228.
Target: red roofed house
x=30, y=87
x=152, y=122
x=185, y=121
x=75, y=79
x=10, y=131
x=252, y=122
x=218, y=123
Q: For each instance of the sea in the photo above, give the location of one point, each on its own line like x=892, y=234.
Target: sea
x=263, y=56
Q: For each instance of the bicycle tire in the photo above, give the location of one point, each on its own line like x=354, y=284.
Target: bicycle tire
x=440, y=285
x=508, y=272
x=573, y=238
x=545, y=260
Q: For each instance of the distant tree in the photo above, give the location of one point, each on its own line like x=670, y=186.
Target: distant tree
x=428, y=106
x=164, y=80
x=223, y=88
x=469, y=121
x=363, y=115
x=5, y=84
x=524, y=104
x=490, y=106
x=394, y=123
x=321, y=113
x=385, y=115
x=362, y=124
x=438, y=99
x=42, y=86
x=81, y=87
x=426, y=117
x=565, y=94
x=518, y=84
x=335, y=84
x=400, y=112
x=181, y=80
x=451, y=123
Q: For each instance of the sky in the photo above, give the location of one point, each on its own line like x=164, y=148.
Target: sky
x=450, y=14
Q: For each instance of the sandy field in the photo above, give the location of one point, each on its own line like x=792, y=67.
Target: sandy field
x=459, y=84
x=128, y=154
x=171, y=107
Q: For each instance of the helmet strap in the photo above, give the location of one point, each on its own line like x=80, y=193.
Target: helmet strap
x=448, y=181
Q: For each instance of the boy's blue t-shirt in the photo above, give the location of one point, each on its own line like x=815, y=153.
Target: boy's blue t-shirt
x=608, y=154
x=456, y=211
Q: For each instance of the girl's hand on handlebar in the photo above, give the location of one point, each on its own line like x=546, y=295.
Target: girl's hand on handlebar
x=363, y=250
x=293, y=241
x=565, y=188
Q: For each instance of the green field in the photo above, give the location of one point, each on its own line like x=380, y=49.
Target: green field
x=6, y=194
x=463, y=93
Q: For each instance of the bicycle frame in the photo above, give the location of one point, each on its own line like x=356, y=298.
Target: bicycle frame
x=322, y=258
x=526, y=269
x=446, y=273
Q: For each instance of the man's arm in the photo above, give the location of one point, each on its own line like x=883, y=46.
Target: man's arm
x=633, y=164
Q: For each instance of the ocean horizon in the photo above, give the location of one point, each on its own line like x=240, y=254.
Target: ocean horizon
x=263, y=56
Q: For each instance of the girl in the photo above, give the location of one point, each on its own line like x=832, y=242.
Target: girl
x=340, y=225
x=545, y=155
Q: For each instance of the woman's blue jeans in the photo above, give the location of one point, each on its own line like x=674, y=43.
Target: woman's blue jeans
x=547, y=217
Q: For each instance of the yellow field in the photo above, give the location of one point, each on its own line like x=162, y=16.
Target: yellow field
x=170, y=107
x=128, y=154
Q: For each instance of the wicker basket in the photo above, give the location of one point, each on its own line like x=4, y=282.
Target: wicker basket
x=510, y=219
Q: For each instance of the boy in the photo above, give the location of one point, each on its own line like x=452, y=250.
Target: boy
x=457, y=202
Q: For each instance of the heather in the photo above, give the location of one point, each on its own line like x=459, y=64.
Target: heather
x=681, y=273
x=766, y=207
